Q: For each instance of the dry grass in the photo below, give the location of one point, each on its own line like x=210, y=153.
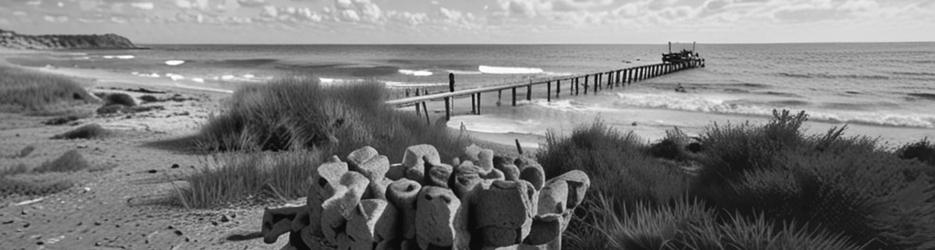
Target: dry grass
x=30, y=92
x=306, y=120
x=71, y=161
x=257, y=176
x=762, y=187
x=50, y=177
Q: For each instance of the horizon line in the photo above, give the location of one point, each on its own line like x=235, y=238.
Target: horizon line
x=496, y=43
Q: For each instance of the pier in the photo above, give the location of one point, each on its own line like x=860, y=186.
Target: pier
x=555, y=87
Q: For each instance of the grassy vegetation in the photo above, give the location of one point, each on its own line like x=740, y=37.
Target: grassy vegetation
x=50, y=177
x=757, y=187
x=89, y=131
x=71, y=161
x=245, y=176
x=24, y=91
x=306, y=121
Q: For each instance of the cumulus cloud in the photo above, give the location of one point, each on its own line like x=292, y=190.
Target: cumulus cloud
x=143, y=5
x=358, y=10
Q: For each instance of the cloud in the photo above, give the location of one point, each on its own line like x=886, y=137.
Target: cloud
x=143, y=5
x=358, y=10
x=251, y=3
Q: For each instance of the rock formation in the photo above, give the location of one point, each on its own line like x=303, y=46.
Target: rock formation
x=10, y=39
x=484, y=202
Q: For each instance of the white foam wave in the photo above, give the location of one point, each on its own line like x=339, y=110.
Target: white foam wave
x=393, y=84
x=174, y=62
x=496, y=125
x=175, y=77
x=150, y=75
x=548, y=73
x=508, y=70
x=122, y=57
x=464, y=72
x=413, y=72
x=716, y=104
x=198, y=80
x=204, y=88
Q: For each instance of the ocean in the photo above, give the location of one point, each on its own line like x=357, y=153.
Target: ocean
x=884, y=90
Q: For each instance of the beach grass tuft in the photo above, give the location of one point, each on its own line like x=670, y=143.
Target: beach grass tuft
x=299, y=113
x=261, y=176
x=89, y=131
x=302, y=121
x=30, y=92
x=34, y=184
x=766, y=186
x=71, y=161
x=50, y=177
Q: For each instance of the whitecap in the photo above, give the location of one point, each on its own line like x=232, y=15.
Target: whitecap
x=508, y=70
x=413, y=72
x=123, y=57
x=393, y=84
x=174, y=62
x=198, y=80
x=464, y=72
x=175, y=77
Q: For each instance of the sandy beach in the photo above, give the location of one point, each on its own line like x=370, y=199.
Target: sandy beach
x=120, y=208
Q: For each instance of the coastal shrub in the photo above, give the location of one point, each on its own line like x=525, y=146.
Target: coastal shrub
x=673, y=147
x=692, y=224
x=841, y=185
x=627, y=174
x=232, y=177
x=88, y=131
x=119, y=99
x=27, y=91
x=71, y=161
x=34, y=184
x=769, y=186
x=298, y=113
x=922, y=150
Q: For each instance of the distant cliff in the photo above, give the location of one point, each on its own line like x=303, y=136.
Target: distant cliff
x=10, y=39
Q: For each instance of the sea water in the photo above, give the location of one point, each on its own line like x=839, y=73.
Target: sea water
x=884, y=90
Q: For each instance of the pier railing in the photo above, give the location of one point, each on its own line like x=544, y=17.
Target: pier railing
x=576, y=85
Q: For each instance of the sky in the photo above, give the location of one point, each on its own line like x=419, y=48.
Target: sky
x=478, y=21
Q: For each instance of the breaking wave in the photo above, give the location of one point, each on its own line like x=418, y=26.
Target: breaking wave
x=412, y=72
x=713, y=104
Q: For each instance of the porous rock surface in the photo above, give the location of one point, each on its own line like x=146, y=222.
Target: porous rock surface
x=483, y=202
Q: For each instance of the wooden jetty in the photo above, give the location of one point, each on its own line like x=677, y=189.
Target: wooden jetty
x=575, y=85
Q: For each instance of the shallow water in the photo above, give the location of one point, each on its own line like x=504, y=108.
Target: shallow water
x=885, y=89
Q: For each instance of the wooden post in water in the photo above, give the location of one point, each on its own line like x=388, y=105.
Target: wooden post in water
x=558, y=87
x=586, y=84
x=597, y=82
x=529, y=91
x=451, y=86
x=478, y=103
x=514, y=96
x=447, y=108
x=473, y=104
x=418, y=109
x=576, y=86
x=426, y=109
x=499, y=96
x=548, y=91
